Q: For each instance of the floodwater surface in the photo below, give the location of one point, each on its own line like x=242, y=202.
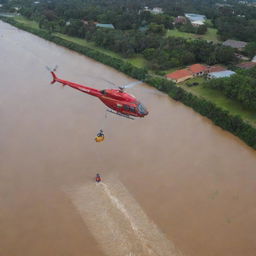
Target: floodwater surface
x=173, y=183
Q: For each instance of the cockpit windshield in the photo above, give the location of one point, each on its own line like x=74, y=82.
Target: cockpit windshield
x=142, y=110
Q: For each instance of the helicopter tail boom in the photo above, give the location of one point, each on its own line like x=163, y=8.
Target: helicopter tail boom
x=82, y=88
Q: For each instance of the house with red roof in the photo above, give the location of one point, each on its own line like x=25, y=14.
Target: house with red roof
x=198, y=69
x=184, y=74
x=180, y=75
x=216, y=68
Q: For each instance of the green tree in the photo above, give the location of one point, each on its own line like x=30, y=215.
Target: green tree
x=250, y=49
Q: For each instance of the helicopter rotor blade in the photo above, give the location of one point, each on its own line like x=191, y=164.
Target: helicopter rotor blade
x=109, y=81
x=130, y=85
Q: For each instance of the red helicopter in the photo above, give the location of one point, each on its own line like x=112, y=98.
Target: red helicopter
x=121, y=102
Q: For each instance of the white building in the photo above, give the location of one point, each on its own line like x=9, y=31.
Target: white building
x=254, y=59
x=197, y=23
x=195, y=17
x=157, y=10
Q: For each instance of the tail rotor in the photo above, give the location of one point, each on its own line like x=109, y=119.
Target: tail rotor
x=52, y=70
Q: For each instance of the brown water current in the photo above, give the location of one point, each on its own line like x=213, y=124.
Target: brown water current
x=173, y=183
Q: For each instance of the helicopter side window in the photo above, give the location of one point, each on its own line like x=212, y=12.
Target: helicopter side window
x=142, y=109
x=126, y=107
x=129, y=108
x=132, y=109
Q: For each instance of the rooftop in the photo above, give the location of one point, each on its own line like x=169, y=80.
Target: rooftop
x=197, y=22
x=221, y=74
x=235, y=44
x=105, y=25
x=179, y=74
x=195, y=17
x=197, y=68
x=216, y=68
x=246, y=65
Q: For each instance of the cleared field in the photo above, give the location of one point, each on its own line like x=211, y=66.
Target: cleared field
x=211, y=34
x=27, y=22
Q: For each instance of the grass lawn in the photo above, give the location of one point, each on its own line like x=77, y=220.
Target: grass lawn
x=209, y=23
x=138, y=61
x=210, y=35
x=27, y=22
x=177, y=33
x=215, y=96
x=168, y=71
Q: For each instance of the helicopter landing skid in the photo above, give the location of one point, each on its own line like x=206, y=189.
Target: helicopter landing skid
x=119, y=114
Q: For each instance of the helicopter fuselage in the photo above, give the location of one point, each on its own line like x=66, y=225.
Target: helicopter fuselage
x=118, y=100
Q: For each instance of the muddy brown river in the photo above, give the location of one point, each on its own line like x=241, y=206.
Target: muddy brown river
x=173, y=183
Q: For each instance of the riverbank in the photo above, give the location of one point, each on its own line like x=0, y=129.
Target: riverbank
x=220, y=117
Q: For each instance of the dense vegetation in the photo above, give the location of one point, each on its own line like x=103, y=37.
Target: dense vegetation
x=233, y=19
x=161, y=52
x=174, y=52
x=241, y=87
x=76, y=18
x=236, y=21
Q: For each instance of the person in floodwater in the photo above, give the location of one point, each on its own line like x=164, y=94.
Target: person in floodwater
x=98, y=178
x=100, y=134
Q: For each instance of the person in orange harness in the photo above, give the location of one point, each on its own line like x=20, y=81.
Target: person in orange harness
x=100, y=136
x=98, y=178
